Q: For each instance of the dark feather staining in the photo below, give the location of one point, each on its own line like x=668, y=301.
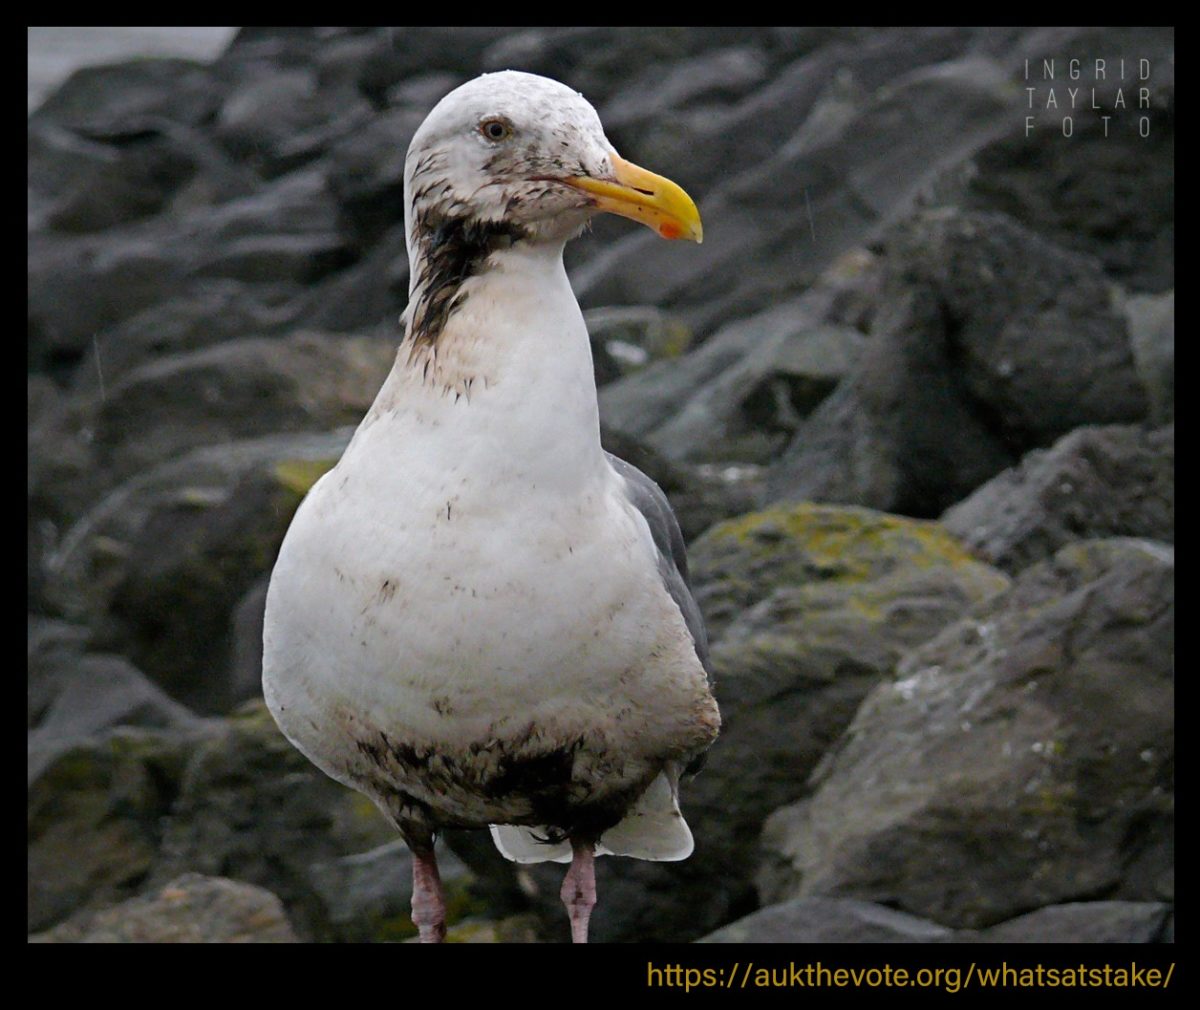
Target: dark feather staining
x=452, y=250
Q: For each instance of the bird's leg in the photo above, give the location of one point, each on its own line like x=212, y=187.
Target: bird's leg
x=579, y=889
x=428, y=905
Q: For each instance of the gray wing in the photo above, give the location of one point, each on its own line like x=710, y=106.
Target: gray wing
x=648, y=498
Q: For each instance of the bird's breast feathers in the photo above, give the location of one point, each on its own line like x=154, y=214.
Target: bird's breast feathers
x=448, y=619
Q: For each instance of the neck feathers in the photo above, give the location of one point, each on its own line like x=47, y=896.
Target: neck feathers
x=450, y=250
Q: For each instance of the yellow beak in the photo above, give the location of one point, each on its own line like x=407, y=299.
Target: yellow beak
x=643, y=196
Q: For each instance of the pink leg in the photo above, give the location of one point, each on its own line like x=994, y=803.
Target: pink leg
x=428, y=906
x=579, y=890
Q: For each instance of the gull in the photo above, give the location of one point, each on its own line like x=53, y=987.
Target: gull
x=478, y=617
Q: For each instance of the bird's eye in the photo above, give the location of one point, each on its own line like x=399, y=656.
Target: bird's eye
x=496, y=129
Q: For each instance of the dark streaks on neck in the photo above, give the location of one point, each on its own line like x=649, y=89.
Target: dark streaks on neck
x=452, y=249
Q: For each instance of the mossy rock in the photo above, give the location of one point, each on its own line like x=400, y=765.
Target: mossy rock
x=253, y=808
x=95, y=817
x=743, y=560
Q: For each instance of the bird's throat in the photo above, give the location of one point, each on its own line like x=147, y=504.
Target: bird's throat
x=449, y=251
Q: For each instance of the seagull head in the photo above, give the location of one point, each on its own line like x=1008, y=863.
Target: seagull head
x=525, y=157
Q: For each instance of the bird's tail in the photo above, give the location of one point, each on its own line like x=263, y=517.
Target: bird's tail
x=653, y=829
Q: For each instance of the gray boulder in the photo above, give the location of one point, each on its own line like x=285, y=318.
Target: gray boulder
x=190, y=909
x=78, y=695
x=1121, y=209
x=988, y=342
x=112, y=97
x=829, y=920
x=95, y=816
x=848, y=920
x=1021, y=758
x=238, y=389
x=251, y=806
x=1152, y=337
x=743, y=392
x=1085, y=922
x=1095, y=482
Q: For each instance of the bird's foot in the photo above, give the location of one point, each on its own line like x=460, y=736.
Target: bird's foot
x=579, y=889
x=428, y=904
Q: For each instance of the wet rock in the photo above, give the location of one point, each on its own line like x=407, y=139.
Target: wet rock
x=252, y=807
x=1034, y=742
x=847, y=920
x=281, y=120
x=78, y=696
x=744, y=391
x=114, y=97
x=207, y=313
x=829, y=920
x=238, y=389
x=699, y=496
x=190, y=909
x=95, y=820
x=1085, y=922
x=989, y=342
x=1120, y=209
x=627, y=338
x=1152, y=337
x=1094, y=482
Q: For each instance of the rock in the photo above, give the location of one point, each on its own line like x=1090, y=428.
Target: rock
x=95, y=820
x=989, y=342
x=369, y=895
x=52, y=646
x=190, y=909
x=746, y=389
x=513, y=929
x=424, y=91
x=1085, y=922
x=252, y=807
x=90, y=186
x=238, y=389
x=808, y=609
x=157, y=568
x=847, y=920
x=713, y=78
x=1095, y=482
x=1021, y=758
x=79, y=286
x=1121, y=210
x=81, y=695
x=829, y=920
x=598, y=61
x=370, y=295
x=209, y=312
x=628, y=338
x=285, y=119
x=1152, y=337
x=114, y=97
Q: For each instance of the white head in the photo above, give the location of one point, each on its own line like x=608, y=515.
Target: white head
x=513, y=157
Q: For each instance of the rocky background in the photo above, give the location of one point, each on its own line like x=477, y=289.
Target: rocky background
x=912, y=400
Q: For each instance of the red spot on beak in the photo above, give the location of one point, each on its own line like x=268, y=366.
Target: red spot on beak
x=669, y=229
